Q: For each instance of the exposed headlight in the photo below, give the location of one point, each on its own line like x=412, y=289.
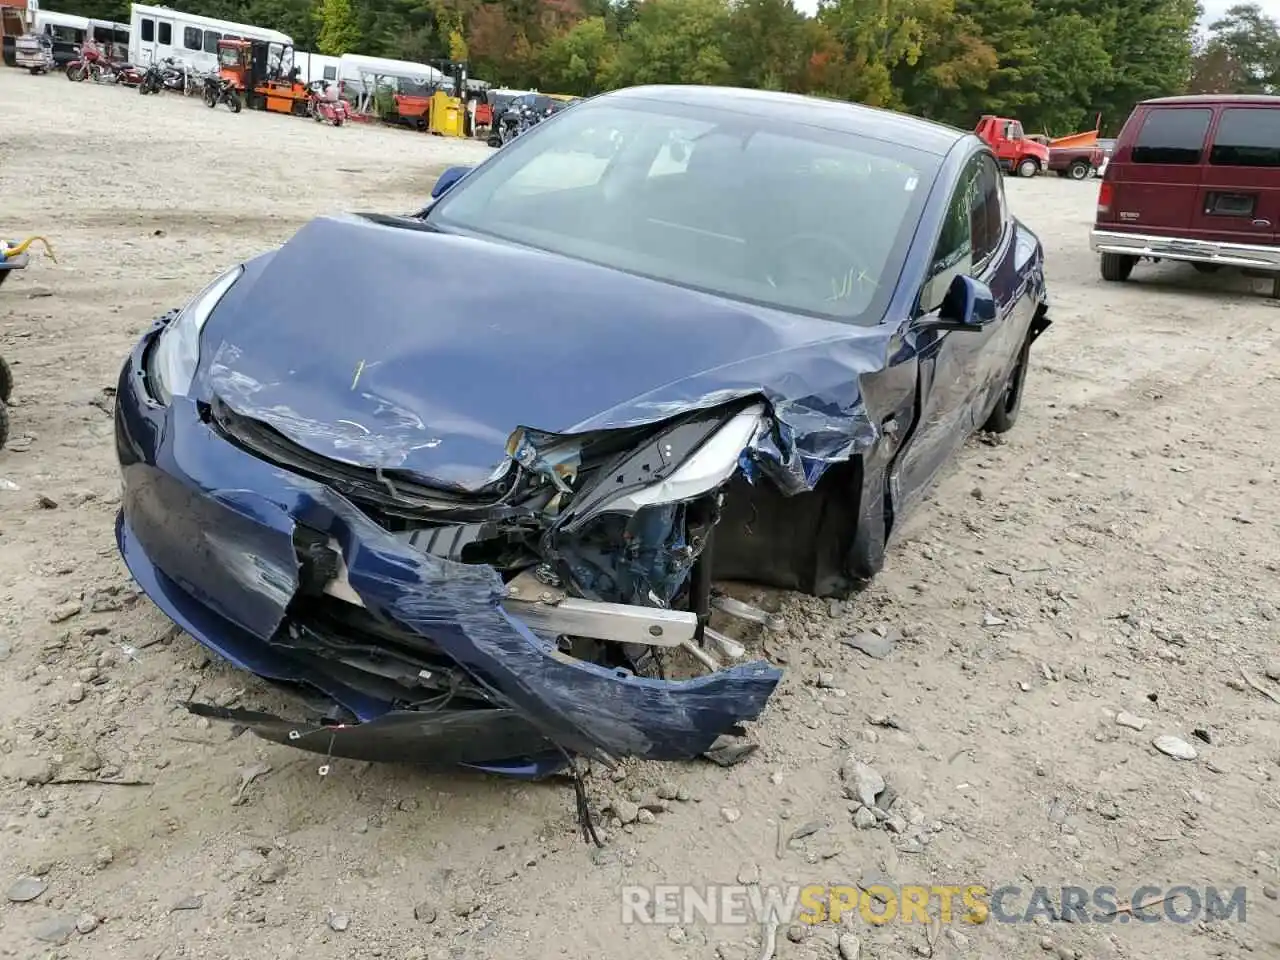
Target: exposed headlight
x=177, y=352
x=711, y=465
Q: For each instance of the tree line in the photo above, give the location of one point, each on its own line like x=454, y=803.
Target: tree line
x=1054, y=64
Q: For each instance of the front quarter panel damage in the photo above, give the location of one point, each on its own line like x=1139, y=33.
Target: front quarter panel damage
x=182, y=479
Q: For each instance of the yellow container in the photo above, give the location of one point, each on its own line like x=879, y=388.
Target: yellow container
x=446, y=115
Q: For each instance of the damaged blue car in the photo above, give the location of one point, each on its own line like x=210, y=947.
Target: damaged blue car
x=461, y=481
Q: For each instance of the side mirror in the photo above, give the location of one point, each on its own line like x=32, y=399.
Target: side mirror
x=447, y=180
x=968, y=305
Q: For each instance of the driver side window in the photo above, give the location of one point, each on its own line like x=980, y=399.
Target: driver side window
x=954, y=253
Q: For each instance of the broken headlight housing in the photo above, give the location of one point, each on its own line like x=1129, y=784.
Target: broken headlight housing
x=687, y=461
x=709, y=466
x=177, y=350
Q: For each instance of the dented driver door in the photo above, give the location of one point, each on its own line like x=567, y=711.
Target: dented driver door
x=953, y=365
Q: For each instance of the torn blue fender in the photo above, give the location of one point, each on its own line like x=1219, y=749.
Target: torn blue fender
x=208, y=532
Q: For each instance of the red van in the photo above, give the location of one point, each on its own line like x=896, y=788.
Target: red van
x=1193, y=178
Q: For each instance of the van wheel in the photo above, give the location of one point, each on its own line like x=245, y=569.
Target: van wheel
x=1078, y=170
x=1028, y=167
x=1116, y=267
x=1005, y=414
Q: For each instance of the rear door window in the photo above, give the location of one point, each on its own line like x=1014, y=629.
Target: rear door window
x=1247, y=138
x=1172, y=136
x=148, y=30
x=165, y=34
x=986, y=212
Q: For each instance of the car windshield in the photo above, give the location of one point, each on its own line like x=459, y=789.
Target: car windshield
x=784, y=215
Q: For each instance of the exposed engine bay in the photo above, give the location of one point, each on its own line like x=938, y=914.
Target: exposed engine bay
x=603, y=540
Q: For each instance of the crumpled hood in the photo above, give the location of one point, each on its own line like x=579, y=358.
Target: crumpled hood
x=390, y=347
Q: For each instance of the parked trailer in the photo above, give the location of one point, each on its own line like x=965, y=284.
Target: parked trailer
x=316, y=66
x=360, y=76
x=159, y=32
x=66, y=32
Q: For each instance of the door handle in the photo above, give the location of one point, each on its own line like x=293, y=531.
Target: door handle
x=1262, y=223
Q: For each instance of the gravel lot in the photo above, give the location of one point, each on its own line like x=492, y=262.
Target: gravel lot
x=1117, y=553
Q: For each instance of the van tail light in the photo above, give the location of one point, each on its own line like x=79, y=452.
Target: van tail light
x=1105, y=196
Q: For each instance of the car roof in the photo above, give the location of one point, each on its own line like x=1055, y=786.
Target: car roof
x=1208, y=99
x=839, y=116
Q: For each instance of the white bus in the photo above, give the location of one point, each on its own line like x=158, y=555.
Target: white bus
x=159, y=32
x=316, y=66
x=68, y=34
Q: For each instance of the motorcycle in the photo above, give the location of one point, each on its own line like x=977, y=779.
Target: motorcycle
x=92, y=65
x=324, y=109
x=515, y=120
x=165, y=74
x=221, y=90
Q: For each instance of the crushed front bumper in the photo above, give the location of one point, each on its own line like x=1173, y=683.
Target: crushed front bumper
x=1248, y=255
x=212, y=534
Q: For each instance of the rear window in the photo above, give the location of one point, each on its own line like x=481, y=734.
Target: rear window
x=1174, y=136
x=1247, y=138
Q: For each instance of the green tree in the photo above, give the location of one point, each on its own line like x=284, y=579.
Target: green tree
x=876, y=37
x=580, y=60
x=674, y=41
x=339, y=31
x=765, y=45
x=950, y=81
x=1245, y=47
x=1077, y=68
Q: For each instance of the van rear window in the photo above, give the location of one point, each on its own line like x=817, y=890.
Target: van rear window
x=1247, y=138
x=1172, y=135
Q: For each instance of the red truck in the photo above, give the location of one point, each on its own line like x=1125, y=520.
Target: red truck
x=1076, y=162
x=1016, y=152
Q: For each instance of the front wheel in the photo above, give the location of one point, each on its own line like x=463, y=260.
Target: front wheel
x=1116, y=267
x=1028, y=167
x=1005, y=414
x=75, y=72
x=233, y=101
x=210, y=99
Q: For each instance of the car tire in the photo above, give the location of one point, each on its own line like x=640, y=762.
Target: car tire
x=6, y=381
x=1028, y=167
x=1116, y=267
x=4, y=424
x=1078, y=170
x=1005, y=414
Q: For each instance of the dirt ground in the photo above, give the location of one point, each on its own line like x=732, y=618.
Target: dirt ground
x=1115, y=553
